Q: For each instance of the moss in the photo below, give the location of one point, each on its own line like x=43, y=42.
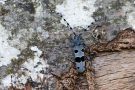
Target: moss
x=15, y=66
x=31, y=18
x=116, y=21
x=53, y=24
x=27, y=7
x=116, y=5
x=3, y=11
x=119, y=20
x=9, y=70
x=60, y=60
x=20, y=61
x=14, y=32
x=99, y=12
x=26, y=54
x=50, y=24
x=34, y=40
x=16, y=63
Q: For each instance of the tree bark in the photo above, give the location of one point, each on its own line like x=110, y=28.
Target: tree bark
x=115, y=71
x=115, y=64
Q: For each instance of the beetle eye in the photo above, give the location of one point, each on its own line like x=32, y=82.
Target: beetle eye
x=77, y=59
x=82, y=58
x=76, y=51
x=82, y=50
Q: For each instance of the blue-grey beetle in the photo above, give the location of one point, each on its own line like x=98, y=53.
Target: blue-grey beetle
x=78, y=47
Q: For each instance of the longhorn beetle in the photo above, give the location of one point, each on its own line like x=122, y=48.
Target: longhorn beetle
x=78, y=46
x=82, y=67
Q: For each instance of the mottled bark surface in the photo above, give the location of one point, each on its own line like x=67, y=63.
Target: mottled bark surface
x=115, y=71
x=124, y=40
x=114, y=64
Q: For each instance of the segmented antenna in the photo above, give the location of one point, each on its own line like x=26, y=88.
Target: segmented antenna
x=68, y=25
x=66, y=22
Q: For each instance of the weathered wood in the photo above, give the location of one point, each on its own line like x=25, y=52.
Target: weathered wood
x=124, y=40
x=115, y=71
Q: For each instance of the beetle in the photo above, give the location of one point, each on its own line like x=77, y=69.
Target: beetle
x=82, y=65
x=78, y=49
x=78, y=46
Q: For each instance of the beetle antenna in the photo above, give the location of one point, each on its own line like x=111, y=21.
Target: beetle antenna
x=68, y=25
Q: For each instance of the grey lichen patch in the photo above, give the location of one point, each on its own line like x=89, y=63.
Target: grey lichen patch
x=3, y=11
x=14, y=32
x=119, y=20
x=29, y=6
x=53, y=24
x=14, y=66
x=111, y=12
x=99, y=12
x=9, y=71
x=117, y=4
x=18, y=21
x=51, y=4
x=60, y=52
x=34, y=40
x=26, y=54
x=20, y=15
x=48, y=24
x=16, y=63
x=3, y=72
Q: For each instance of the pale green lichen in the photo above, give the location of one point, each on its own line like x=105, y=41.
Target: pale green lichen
x=99, y=12
x=117, y=4
x=9, y=71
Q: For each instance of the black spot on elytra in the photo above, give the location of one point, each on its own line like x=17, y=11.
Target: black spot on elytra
x=76, y=51
x=82, y=50
x=77, y=59
x=82, y=58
